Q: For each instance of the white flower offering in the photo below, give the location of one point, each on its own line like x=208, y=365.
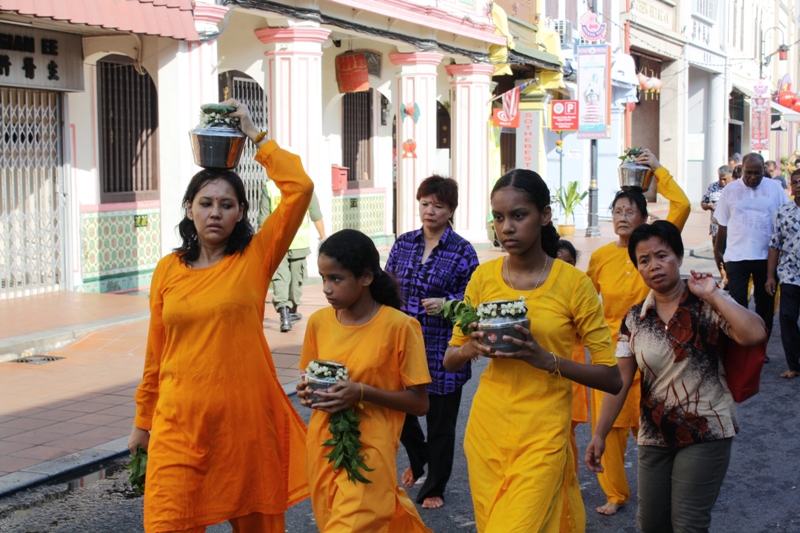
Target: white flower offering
x=510, y=309
x=327, y=371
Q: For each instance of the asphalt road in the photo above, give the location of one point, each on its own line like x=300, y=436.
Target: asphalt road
x=760, y=493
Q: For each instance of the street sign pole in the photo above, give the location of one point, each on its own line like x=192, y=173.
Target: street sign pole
x=593, y=230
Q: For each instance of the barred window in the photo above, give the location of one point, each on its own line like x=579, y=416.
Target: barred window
x=128, y=132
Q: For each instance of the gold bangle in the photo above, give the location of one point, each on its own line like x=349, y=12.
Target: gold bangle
x=557, y=365
x=260, y=137
x=360, y=400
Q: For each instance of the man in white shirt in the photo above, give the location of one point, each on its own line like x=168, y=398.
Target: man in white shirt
x=744, y=213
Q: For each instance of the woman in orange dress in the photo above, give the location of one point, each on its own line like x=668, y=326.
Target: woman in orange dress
x=222, y=438
x=383, y=350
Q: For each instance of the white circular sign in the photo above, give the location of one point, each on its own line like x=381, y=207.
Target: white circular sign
x=558, y=108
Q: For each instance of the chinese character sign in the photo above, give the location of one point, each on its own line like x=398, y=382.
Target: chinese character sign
x=759, y=123
x=30, y=57
x=594, y=92
x=352, y=73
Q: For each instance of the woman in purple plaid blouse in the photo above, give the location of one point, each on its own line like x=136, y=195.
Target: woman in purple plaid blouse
x=432, y=265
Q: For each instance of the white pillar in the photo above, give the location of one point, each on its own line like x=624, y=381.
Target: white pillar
x=470, y=146
x=416, y=84
x=187, y=79
x=717, y=132
x=294, y=100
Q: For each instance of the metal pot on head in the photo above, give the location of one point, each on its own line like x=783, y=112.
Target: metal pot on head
x=217, y=146
x=634, y=177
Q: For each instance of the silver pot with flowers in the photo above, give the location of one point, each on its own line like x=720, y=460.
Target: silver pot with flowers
x=633, y=176
x=217, y=142
x=497, y=319
x=322, y=375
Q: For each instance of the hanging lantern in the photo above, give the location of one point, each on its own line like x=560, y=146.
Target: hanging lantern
x=783, y=52
x=786, y=98
x=352, y=74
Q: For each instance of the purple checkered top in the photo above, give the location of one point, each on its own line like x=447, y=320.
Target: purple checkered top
x=444, y=275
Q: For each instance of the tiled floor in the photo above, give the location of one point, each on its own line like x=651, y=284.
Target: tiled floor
x=86, y=399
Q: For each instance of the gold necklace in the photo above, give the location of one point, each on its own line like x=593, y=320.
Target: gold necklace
x=508, y=275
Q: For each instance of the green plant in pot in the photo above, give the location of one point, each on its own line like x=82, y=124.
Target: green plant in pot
x=569, y=198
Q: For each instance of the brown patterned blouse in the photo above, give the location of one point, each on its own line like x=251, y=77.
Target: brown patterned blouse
x=685, y=398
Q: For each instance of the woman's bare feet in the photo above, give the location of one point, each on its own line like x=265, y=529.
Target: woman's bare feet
x=610, y=508
x=433, y=503
x=789, y=374
x=407, y=479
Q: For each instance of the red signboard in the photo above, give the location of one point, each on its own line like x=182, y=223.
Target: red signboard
x=759, y=123
x=564, y=115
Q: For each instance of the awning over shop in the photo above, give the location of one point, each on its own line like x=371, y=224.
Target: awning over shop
x=624, y=82
x=747, y=91
x=524, y=42
x=162, y=18
x=789, y=115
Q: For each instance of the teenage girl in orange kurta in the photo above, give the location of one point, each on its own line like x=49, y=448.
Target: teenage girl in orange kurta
x=385, y=356
x=621, y=287
x=222, y=437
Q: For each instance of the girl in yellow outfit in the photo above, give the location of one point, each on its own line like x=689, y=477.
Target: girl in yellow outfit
x=222, y=437
x=520, y=462
x=621, y=287
x=384, y=353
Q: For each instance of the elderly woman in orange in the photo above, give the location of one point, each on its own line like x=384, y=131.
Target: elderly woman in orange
x=687, y=418
x=620, y=286
x=521, y=465
x=223, y=440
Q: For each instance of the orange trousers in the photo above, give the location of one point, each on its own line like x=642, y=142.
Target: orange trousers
x=252, y=523
x=613, y=480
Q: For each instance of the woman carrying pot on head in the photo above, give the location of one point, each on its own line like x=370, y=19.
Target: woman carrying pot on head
x=620, y=287
x=223, y=440
x=687, y=416
x=432, y=265
x=521, y=469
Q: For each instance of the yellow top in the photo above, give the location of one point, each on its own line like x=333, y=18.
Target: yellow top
x=517, y=438
x=621, y=287
x=225, y=439
x=388, y=353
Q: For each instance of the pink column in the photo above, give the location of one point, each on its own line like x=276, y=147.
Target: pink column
x=294, y=92
x=469, y=113
x=416, y=85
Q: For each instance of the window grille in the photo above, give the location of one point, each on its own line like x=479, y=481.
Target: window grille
x=357, y=136
x=128, y=123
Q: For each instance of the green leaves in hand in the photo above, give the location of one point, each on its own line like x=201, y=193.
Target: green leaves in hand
x=138, y=468
x=460, y=313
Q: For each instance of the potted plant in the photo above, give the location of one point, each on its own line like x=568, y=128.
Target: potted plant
x=631, y=174
x=569, y=198
x=496, y=319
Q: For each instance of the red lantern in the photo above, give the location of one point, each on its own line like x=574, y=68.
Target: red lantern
x=352, y=74
x=783, y=52
x=796, y=106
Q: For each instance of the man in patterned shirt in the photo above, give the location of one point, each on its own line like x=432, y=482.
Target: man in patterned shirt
x=784, y=259
x=709, y=203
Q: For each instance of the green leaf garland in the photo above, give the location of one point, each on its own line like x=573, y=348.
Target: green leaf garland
x=461, y=313
x=346, y=443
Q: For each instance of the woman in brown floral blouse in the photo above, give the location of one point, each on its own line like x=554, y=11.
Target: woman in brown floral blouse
x=687, y=416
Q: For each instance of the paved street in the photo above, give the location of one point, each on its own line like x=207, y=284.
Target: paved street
x=760, y=493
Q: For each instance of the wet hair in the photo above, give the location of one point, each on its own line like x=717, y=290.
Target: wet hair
x=664, y=230
x=564, y=244
x=737, y=172
x=634, y=197
x=534, y=187
x=356, y=252
x=242, y=234
x=724, y=170
x=444, y=189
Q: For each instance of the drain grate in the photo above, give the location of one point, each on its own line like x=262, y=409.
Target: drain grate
x=36, y=359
